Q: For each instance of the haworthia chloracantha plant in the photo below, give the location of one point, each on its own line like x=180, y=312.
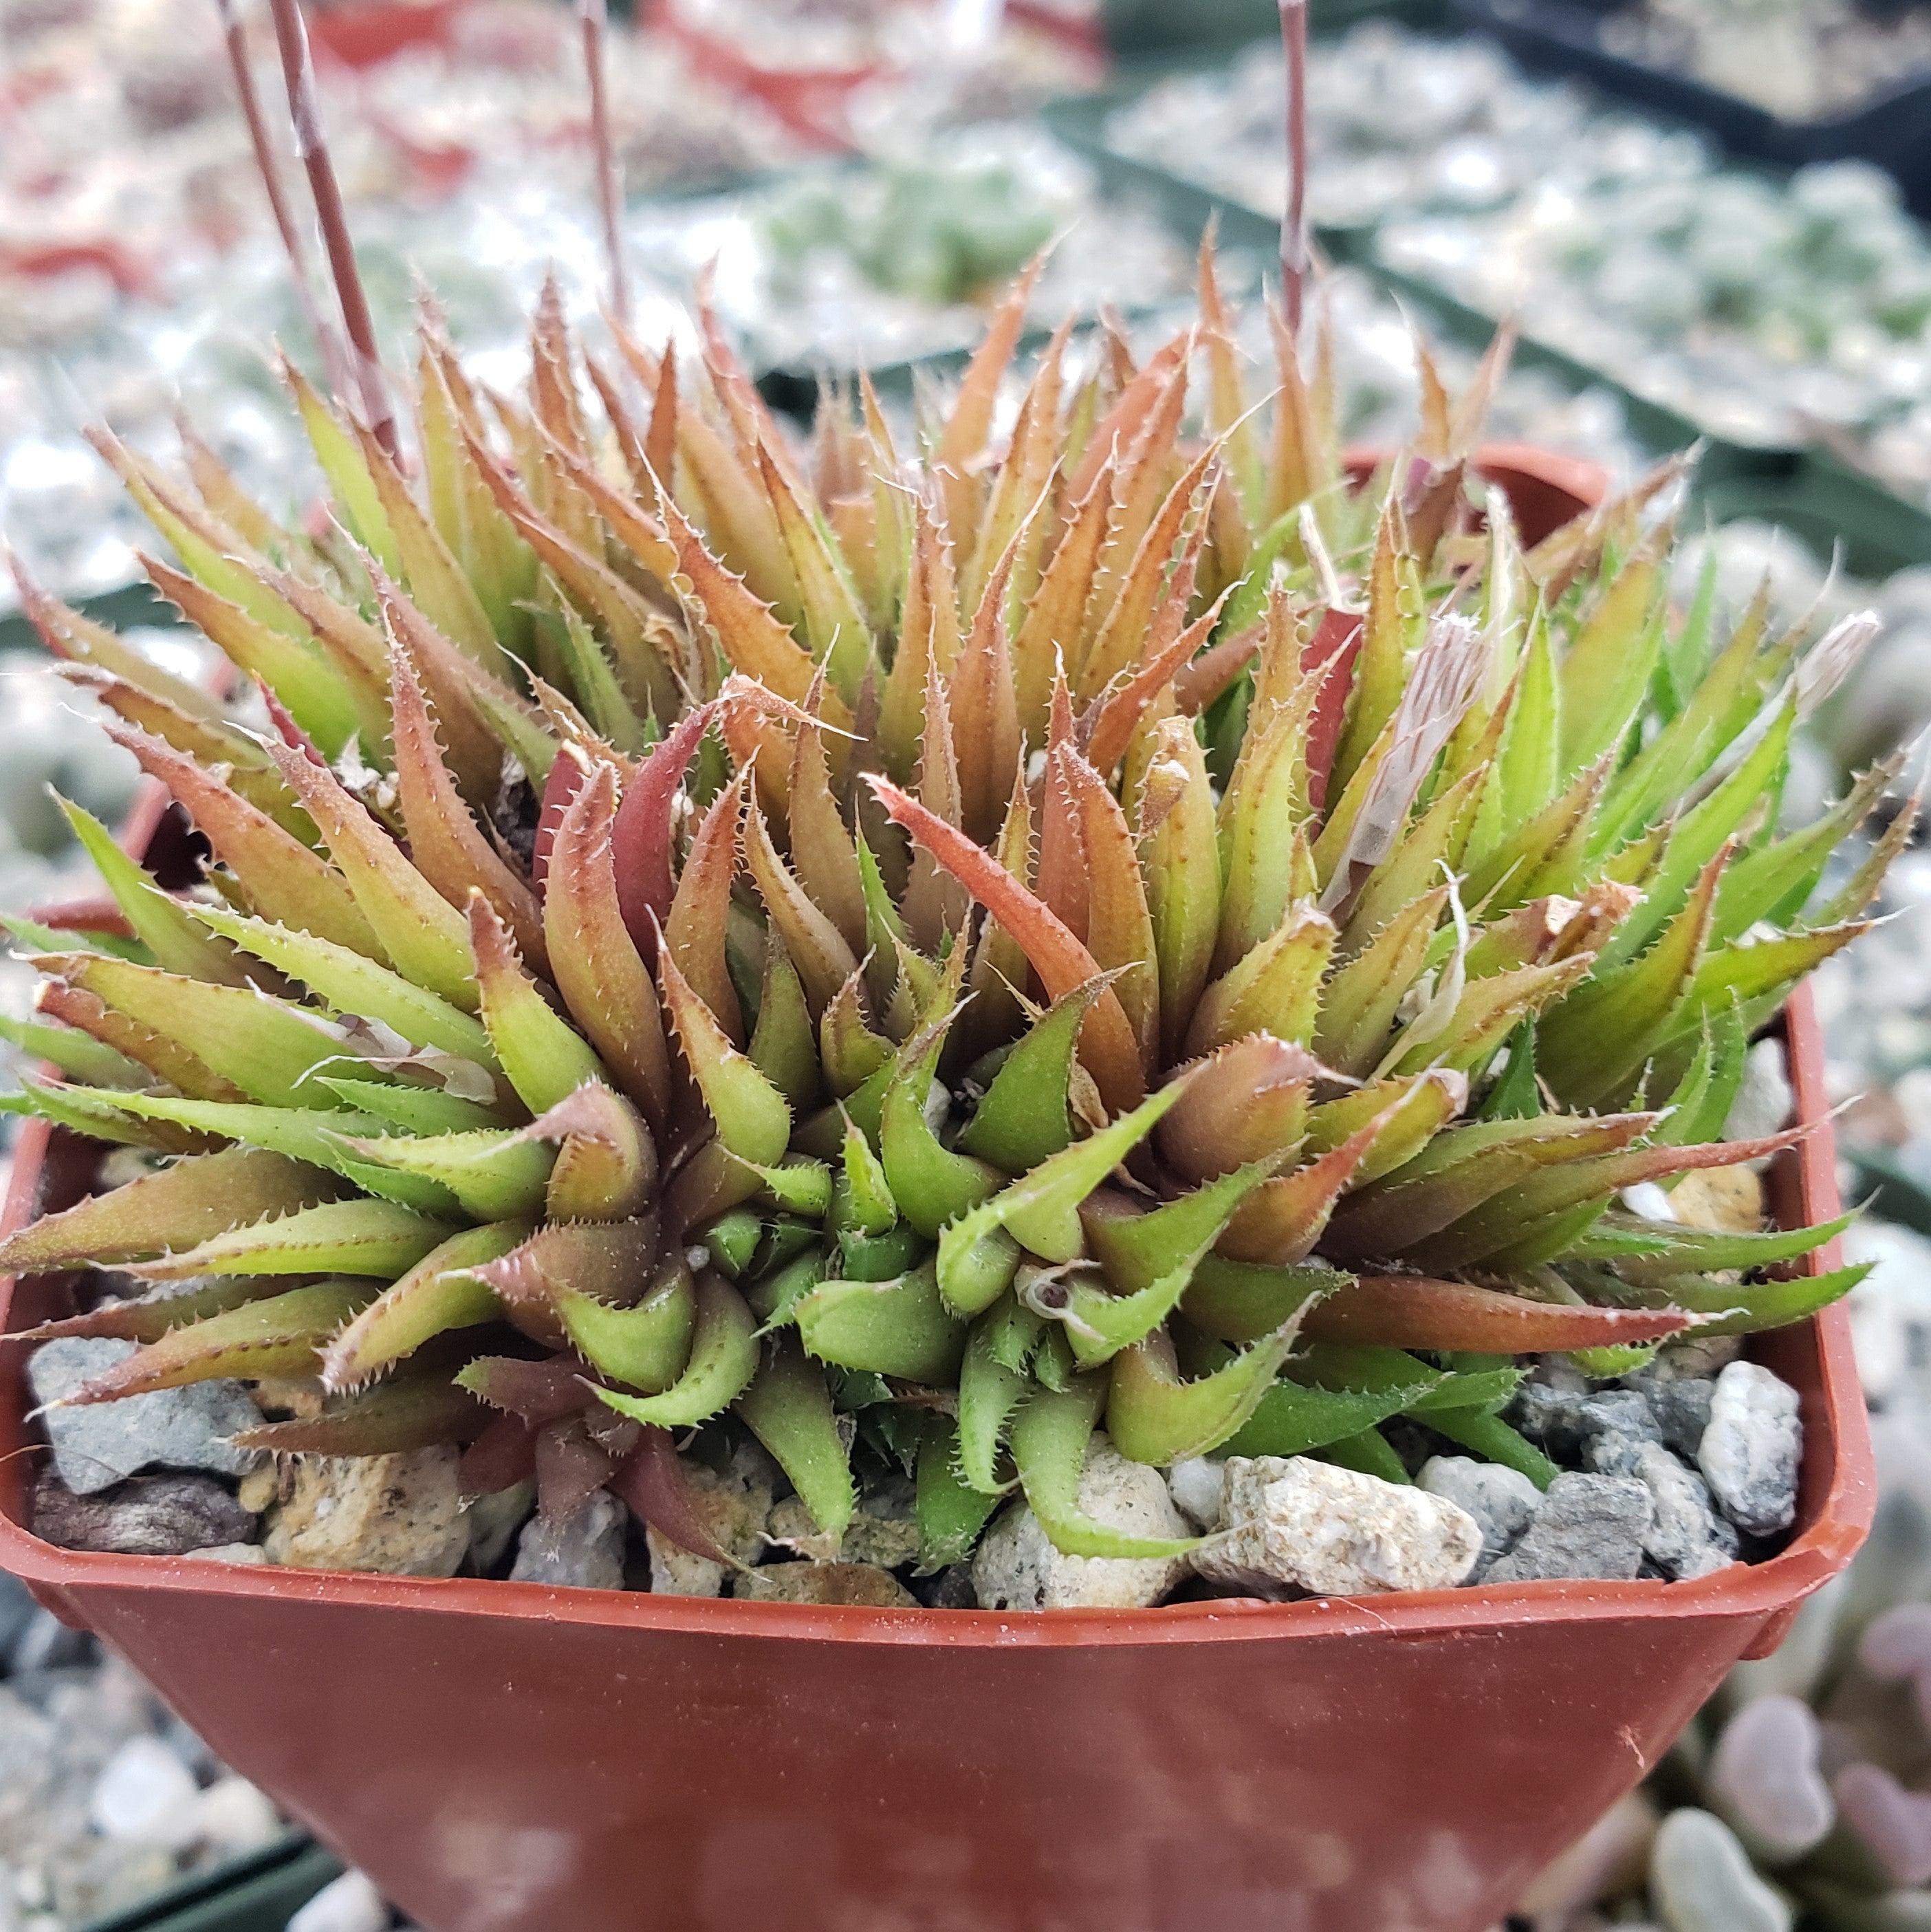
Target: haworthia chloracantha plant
x=940, y=939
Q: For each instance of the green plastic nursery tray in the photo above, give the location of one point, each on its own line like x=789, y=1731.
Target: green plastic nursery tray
x=1829, y=504
x=1150, y=26
x=131, y=604
x=259, y=1893
x=1892, y=1194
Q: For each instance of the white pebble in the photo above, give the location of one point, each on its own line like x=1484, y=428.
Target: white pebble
x=1198, y=1487
x=1295, y=1524
x=236, y=1815
x=1017, y=1567
x=1765, y=1100
x=146, y=1796
x=351, y=1904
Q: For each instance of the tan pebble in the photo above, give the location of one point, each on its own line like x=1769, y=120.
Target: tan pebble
x=258, y=1488
x=1724, y=1200
x=824, y=1583
x=403, y=1515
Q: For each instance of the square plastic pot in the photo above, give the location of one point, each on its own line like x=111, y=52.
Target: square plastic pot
x=505, y=1757
x=509, y=1757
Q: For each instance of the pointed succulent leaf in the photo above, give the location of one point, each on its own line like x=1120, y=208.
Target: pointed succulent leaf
x=90, y=1111
x=1462, y=1168
x=788, y=1408
x=646, y=1345
x=410, y=1412
x=1535, y=1213
x=337, y=1237
x=282, y=1335
x=546, y=1059
x=415, y=1109
x=723, y=1360
x=1026, y=1116
x=1041, y=1210
x=1050, y=1437
x=349, y=983
x=1417, y=1312
x=277, y=874
x=594, y=960
x=420, y=930
x=157, y=919
x=1722, y=1306
x=753, y=1119
x=323, y=1139
x=606, y=1165
x=898, y=1328
x=264, y=1048
x=1293, y=1416
x=440, y=1292
x=993, y=1383
x=607, y=1261
x=1607, y=668
x=445, y=843
x=951, y=1512
x=1654, y=1252
x=491, y=1173
x=932, y=1184
x=74, y=1055
x=1107, y=1040
x=175, y=1208
x=1155, y=1417
x=147, y=1317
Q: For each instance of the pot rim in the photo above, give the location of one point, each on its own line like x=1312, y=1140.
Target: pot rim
x=1760, y=1590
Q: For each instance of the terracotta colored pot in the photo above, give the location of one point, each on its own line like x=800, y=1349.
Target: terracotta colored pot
x=506, y=1757
x=1544, y=488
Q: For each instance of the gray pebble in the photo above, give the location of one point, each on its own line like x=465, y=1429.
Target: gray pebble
x=146, y=1516
x=96, y=1446
x=145, y=1795
x=582, y=1551
x=1551, y=1415
x=950, y=1589
x=1686, y=1537
x=1502, y=1501
x=1750, y=1453
x=1680, y=1404
x=28, y=1752
x=1558, y=1372
x=1613, y=1455
x=1198, y=1487
x=1619, y=1412
x=1588, y=1525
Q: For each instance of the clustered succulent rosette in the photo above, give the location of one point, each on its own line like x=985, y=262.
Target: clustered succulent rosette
x=925, y=944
